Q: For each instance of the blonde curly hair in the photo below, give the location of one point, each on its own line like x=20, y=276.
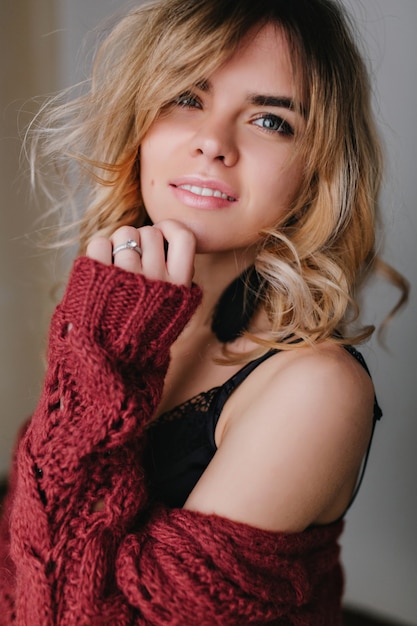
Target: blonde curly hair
x=312, y=264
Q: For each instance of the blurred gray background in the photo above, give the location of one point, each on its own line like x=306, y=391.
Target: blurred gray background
x=41, y=47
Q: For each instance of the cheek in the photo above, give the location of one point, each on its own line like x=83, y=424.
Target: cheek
x=148, y=168
x=151, y=150
x=277, y=173
x=278, y=189
x=157, y=155
x=290, y=182
x=146, y=160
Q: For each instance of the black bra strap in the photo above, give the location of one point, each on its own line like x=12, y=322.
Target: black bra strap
x=362, y=471
x=230, y=385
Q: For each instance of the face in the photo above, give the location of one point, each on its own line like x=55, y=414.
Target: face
x=221, y=159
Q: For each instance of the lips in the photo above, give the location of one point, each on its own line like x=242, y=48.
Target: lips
x=205, y=188
x=206, y=191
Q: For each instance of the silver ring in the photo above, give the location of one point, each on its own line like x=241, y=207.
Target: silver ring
x=129, y=245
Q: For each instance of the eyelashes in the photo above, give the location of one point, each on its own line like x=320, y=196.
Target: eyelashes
x=188, y=100
x=268, y=122
x=274, y=124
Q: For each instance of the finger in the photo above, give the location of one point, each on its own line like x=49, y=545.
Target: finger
x=181, y=251
x=126, y=258
x=153, y=253
x=100, y=249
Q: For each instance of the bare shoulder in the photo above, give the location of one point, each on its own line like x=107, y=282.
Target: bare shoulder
x=327, y=374
x=291, y=441
x=318, y=384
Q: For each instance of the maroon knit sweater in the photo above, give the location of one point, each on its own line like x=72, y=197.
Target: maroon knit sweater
x=62, y=563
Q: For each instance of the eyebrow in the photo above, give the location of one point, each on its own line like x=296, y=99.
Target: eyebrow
x=271, y=101
x=255, y=99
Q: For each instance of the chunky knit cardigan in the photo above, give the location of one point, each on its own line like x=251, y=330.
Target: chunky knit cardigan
x=65, y=563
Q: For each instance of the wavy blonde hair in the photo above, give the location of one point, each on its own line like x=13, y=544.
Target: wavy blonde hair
x=312, y=264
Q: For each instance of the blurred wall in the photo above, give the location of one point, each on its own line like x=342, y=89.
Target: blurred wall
x=28, y=51
x=380, y=543
x=380, y=546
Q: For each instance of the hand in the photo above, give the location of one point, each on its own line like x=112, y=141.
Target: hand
x=175, y=266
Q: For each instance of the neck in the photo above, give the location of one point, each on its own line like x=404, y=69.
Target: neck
x=214, y=272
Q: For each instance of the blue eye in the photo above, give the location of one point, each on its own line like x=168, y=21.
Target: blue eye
x=274, y=124
x=188, y=100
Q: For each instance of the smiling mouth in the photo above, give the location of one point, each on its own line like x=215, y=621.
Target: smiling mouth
x=206, y=191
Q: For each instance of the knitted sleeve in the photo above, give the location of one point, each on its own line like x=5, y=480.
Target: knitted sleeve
x=184, y=567
x=7, y=569
x=107, y=357
x=127, y=565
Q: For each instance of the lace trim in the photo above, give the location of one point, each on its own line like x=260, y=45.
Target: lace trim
x=200, y=403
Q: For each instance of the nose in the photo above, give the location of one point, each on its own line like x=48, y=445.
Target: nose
x=216, y=141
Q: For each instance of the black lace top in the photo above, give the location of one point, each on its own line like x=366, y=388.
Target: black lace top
x=181, y=442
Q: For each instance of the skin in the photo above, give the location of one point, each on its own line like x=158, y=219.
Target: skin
x=220, y=139
x=292, y=436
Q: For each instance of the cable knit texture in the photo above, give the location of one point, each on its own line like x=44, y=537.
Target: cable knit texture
x=64, y=563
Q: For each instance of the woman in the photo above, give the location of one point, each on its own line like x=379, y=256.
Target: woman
x=203, y=420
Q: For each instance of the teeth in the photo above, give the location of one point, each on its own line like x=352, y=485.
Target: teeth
x=205, y=191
